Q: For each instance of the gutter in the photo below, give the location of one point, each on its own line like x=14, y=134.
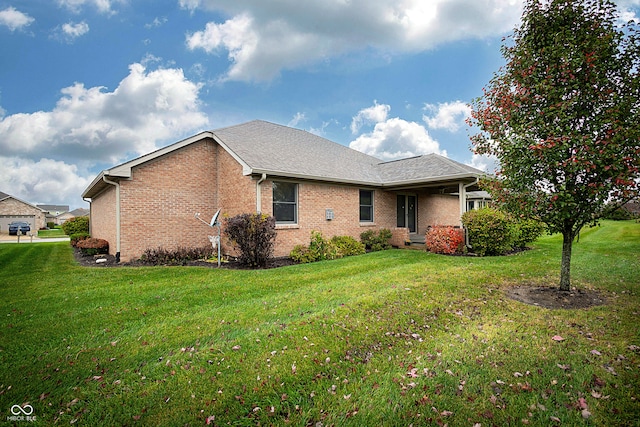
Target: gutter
x=259, y=193
x=117, y=185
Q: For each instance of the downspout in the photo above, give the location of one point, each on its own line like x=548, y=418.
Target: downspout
x=463, y=208
x=259, y=193
x=117, y=185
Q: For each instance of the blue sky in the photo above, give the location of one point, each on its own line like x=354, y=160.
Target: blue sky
x=88, y=84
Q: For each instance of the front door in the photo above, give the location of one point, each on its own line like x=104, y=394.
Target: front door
x=406, y=209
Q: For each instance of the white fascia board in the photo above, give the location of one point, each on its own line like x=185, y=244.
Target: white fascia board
x=432, y=181
x=281, y=174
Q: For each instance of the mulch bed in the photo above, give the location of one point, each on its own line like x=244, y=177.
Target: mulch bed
x=554, y=298
x=110, y=261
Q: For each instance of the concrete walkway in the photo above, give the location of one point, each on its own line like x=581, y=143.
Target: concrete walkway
x=5, y=238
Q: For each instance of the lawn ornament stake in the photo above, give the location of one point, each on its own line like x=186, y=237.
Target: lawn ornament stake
x=215, y=240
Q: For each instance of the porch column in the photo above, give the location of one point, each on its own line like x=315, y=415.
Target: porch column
x=463, y=200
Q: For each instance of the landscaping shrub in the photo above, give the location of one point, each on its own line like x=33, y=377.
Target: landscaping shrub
x=254, y=236
x=320, y=249
x=445, y=240
x=348, y=246
x=491, y=232
x=51, y=225
x=376, y=241
x=620, y=214
x=77, y=237
x=92, y=246
x=76, y=225
x=301, y=254
x=178, y=256
x=526, y=231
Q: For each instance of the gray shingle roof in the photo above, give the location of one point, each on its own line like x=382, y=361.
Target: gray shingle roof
x=281, y=150
x=263, y=147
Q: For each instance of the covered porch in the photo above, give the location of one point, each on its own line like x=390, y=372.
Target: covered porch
x=421, y=206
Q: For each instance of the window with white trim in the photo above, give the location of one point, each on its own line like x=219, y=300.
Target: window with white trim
x=285, y=202
x=366, y=205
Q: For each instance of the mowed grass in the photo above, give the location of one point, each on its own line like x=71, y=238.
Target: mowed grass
x=54, y=232
x=390, y=338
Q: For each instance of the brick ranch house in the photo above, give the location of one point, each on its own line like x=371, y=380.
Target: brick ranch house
x=307, y=182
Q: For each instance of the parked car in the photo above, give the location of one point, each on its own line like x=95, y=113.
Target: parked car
x=19, y=226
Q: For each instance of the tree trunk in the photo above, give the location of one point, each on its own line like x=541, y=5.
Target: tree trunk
x=565, y=269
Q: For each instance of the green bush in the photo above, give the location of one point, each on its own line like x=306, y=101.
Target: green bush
x=527, y=231
x=321, y=249
x=93, y=246
x=491, y=232
x=348, y=246
x=620, y=214
x=76, y=225
x=254, y=236
x=51, y=225
x=178, y=256
x=301, y=254
x=376, y=241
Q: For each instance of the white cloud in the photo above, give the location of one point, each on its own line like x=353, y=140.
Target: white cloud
x=14, y=19
x=448, y=115
x=71, y=31
x=103, y=6
x=157, y=22
x=395, y=139
x=263, y=38
x=43, y=181
x=375, y=114
x=483, y=162
x=93, y=125
x=297, y=118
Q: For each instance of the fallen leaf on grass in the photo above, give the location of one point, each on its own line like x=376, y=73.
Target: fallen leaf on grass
x=582, y=403
x=557, y=338
x=596, y=353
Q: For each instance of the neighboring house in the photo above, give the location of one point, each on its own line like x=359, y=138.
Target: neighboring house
x=66, y=216
x=307, y=182
x=477, y=200
x=53, y=211
x=13, y=209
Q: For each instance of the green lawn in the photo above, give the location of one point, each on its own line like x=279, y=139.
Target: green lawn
x=389, y=338
x=54, y=232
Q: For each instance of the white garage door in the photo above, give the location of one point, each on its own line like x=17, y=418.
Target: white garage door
x=5, y=220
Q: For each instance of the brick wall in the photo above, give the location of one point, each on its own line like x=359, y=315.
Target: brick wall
x=313, y=200
x=102, y=218
x=437, y=209
x=159, y=203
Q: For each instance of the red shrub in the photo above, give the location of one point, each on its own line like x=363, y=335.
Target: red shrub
x=445, y=240
x=93, y=246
